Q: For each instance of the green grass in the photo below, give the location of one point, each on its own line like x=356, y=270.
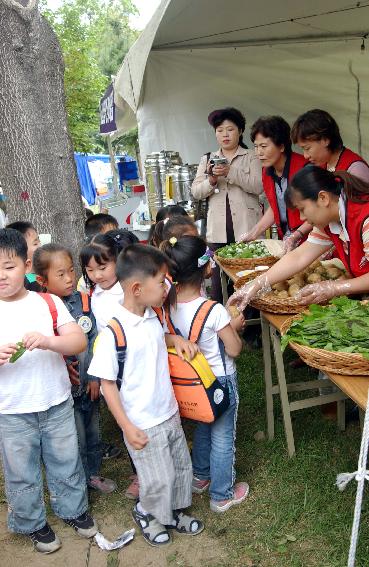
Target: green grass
x=295, y=516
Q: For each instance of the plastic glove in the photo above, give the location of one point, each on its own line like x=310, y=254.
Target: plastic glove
x=247, y=236
x=322, y=292
x=291, y=242
x=242, y=297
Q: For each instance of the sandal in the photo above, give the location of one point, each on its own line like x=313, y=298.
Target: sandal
x=150, y=528
x=184, y=524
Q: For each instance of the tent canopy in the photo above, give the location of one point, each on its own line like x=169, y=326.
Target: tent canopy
x=264, y=58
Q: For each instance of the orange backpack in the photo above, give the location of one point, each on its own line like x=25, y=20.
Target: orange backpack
x=200, y=395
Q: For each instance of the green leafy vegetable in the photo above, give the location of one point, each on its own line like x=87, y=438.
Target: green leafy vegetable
x=18, y=353
x=244, y=250
x=342, y=326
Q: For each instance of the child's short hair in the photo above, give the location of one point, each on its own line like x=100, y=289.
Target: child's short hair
x=42, y=257
x=13, y=243
x=105, y=248
x=96, y=223
x=141, y=260
x=21, y=226
x=185, y=254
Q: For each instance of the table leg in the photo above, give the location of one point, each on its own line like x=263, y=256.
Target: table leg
x=341, y=415
x=268, y=377
x=283, y=391
x=224, y=284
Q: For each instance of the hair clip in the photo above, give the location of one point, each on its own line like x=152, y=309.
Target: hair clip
x=203, y=260
x=173, y=241
x=165, y=220
x=174, y=283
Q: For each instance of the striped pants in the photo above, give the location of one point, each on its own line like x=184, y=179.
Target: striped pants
x=164, y=470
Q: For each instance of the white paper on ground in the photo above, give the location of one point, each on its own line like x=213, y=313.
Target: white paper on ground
x=122, y=540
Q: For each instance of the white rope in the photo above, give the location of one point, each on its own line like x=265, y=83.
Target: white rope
x=361, y=475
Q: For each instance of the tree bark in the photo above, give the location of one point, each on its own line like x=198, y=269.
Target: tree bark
x=37, y=168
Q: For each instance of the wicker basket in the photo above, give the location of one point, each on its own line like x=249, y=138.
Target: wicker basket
x=247, y=263
x=348, y=364
x=271, y=303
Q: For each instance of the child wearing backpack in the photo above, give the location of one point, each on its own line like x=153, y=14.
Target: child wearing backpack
x=36, y=409
x=213, y=450
x=53, y=265
x=98, y=261
x=145, y=407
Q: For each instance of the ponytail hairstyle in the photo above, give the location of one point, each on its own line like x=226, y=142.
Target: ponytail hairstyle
x=188, y=259
x=177, y=226
x=104, y=248
x=155, y=235
x=217, y=117
x=311, y=179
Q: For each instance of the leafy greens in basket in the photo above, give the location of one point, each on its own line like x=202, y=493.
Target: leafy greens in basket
x=343, y=326
x=254, y=249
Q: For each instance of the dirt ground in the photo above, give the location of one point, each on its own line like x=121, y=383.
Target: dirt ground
x=17, y=551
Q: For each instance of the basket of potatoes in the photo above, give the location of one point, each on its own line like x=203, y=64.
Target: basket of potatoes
x=282, y=298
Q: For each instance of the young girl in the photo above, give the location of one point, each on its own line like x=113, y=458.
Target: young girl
x=53, y=265
x=98, y=260
x=213, y=452
x=163, y=214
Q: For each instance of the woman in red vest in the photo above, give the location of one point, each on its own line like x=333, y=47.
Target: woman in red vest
x=318, y=135
x=337, y=205
x=272, y=141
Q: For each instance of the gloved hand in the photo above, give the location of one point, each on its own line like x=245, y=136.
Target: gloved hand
x=248, y=236
x=242, y=297
x=323, y=291
x=291, y=242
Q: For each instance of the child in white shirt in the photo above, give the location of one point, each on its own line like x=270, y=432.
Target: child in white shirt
x=213, y=450
x=36, y=408
x=145, y=407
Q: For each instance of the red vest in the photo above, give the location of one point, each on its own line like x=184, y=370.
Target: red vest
x=356, y=214
x=347, y=158
x=297, y=161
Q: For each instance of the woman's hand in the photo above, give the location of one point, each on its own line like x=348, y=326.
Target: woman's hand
x=322, y=292
x=242, y=297
x=213, y=180
x=221, y=170
x=248, y=236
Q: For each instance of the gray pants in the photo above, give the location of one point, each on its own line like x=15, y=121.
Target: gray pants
x=164, y=470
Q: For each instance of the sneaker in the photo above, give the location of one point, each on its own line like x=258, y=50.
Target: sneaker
x=45, y=540
x=199, y=486
x=241, y=491
x=84, y=525
x=110, y=451
x=132, y=491
x=104, y=485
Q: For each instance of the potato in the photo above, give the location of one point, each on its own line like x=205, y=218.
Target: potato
x=314, y=265
x=293, y=281
x=333, y=273
x=280, y=286
x=319, y=270
x=282, y=294
x=233, y=311
x=314, y=278
x=293, y=290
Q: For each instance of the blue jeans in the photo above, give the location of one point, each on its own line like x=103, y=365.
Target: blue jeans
x=213, y=450
x=28, y=440
x=86, y=413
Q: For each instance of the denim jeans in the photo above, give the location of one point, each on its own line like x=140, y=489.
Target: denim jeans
x=213, y=450
x=28, y=440
x=86, y=413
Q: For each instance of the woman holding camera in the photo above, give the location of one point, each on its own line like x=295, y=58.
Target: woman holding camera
x=230, y=179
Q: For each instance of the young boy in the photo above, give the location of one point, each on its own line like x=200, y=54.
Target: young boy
x=36, y=409
x=145, y=407
x=33, y=242
x=100, y=223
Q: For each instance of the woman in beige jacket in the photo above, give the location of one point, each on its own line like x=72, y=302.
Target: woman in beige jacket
x=232, y=188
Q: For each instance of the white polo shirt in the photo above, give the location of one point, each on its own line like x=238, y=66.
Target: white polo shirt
x=39, y=379
x=146, y=393
x=104, y=303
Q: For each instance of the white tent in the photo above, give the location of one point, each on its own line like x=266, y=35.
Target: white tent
x=262, y=57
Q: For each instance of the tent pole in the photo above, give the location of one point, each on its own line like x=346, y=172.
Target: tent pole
x=113, y=167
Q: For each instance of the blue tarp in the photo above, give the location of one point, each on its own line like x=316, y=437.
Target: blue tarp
x=127, y=170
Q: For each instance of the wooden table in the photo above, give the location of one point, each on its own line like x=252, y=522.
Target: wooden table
x=354, y=387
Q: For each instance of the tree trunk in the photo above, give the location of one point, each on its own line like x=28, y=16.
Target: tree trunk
x=37, y=168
